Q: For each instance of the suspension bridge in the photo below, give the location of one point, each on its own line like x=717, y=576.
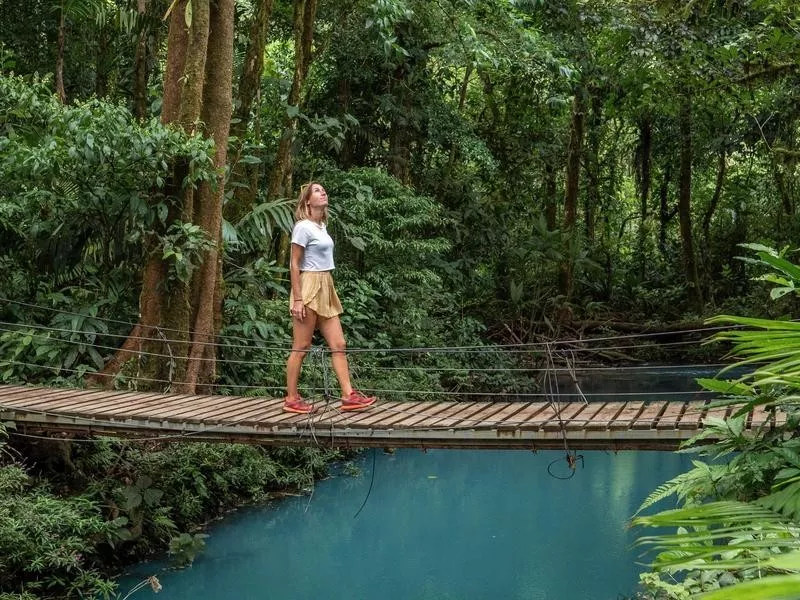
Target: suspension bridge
x=544, y=419
x=614, y=425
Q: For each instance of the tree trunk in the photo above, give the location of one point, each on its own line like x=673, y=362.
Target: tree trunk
x=249, y=85
x=304, y=15
x=712, y=205
x=348, y=145
x=140, y=67
x=177, y=42
x=100, y=71
x=216, y=115
x=179, y=319
x=550, y=199
x=399, y=154
x=572, y=188
x=642, y=171
x=462, y=98
x=665, y=214
x=685, y=203
x=280, y=185
x=62, y=34
x=593, y=165
x=705, y=238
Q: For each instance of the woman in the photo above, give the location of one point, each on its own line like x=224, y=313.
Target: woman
x=313, y=300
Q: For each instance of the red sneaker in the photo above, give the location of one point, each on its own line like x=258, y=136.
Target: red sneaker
x=297, y=405
x=356, y=401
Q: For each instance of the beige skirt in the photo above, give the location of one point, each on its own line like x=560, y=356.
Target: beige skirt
x=318, y=293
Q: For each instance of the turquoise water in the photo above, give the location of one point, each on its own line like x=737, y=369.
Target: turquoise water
x=446, y=524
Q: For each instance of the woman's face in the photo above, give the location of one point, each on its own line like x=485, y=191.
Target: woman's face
x=318, y=197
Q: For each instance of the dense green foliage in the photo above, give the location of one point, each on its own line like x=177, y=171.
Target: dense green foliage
x=468, y=105
x=127, y=502
x=738, y=526
x=501, y=171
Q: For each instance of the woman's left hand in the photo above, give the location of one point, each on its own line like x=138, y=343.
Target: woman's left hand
x=298, y=310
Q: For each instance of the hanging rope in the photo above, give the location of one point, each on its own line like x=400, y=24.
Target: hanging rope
x=521, y=346
x=369, y=491
x=571, y=457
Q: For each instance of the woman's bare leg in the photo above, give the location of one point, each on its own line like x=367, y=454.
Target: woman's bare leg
x=331, y=330
x=302, y=333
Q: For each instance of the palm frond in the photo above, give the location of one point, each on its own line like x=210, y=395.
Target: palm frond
x=729, y=512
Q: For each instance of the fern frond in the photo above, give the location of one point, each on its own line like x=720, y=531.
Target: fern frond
x=665, y=490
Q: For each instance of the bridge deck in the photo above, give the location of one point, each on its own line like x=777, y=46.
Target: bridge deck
x=503, y=425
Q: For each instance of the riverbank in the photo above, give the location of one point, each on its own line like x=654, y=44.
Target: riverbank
x=76, y=513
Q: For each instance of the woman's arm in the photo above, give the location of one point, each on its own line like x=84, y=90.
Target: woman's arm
x=298, y=309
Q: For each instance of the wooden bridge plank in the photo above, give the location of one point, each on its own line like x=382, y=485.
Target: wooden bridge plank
x=628, y=415
x=693, y=416
x=443, y=410
x=38, y=396
x=386, y=410
x=504, y=415
x=450, y=417
x=586, y=416
x=602, y=419
x=671, y=415
x=759, y=417
x=487, y=413
x=430, y=424
x=392, y=413
x=375, y=415
x=526, y=414
x=452, y=408
x=84, y=397
x=66, y=403
x=538, y=420
x=204, y=410
x=718, y=412
x=426, y=413
x=263, y=417
x=467, y=412
x=563, y=414
x=8, y=389
x=119, y=402
x=321, y=418
x=380, y=416
x=649, y=414
x=210, y=413
x=234, y=406
x=401, y=412
x=246, y=417
x=273, y=409
x=20, y=390
x=185, y=411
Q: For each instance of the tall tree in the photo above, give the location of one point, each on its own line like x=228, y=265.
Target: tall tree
x=305, y=12
x=181, y=294
x=685, y=201
x=244, y=174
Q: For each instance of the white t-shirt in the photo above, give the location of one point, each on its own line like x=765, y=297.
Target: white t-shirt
x=318, y=255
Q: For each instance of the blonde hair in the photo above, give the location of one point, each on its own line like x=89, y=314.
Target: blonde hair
x=301, y=211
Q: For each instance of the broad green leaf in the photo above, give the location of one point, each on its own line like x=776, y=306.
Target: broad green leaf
x=774, y=587
x=725, y=387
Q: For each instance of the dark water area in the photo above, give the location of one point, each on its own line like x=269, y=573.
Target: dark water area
x=448, y=524
x=648, y=383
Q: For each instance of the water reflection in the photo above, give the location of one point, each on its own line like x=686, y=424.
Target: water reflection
x=444, y=524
